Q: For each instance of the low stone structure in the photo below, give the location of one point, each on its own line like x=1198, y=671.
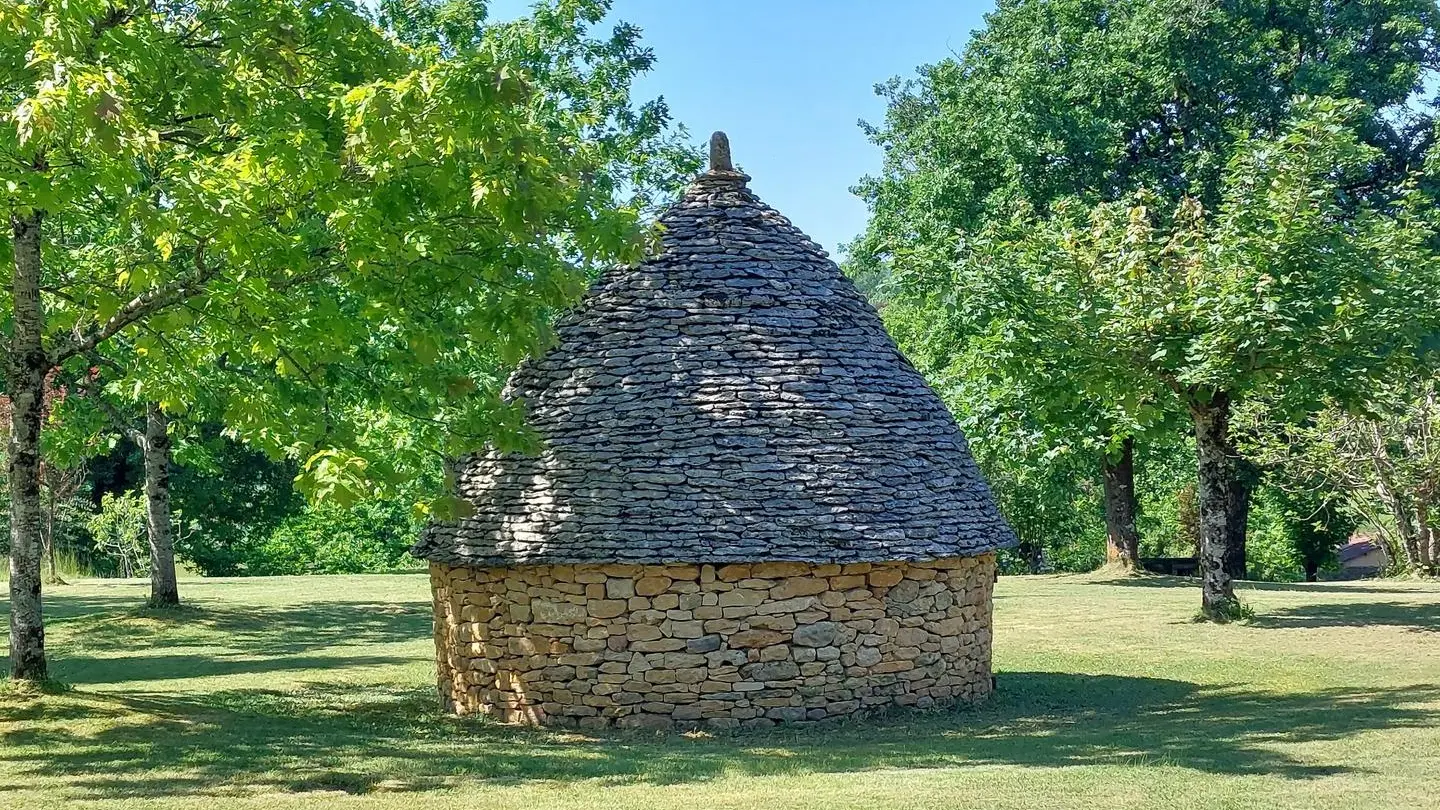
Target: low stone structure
x=747, y=507
x=647, y=646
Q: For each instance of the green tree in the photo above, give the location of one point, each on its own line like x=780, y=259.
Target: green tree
x=1291, y=293
x=1380, y=462
x=288, y=187
x=1092, y=101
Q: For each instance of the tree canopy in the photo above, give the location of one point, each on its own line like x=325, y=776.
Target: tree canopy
x=1127, y=215
x=323, y=230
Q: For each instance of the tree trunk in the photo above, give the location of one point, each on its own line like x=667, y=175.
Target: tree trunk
x=25, y=383
x=1122, y=546
x=1238, y=516
x=47, y=534
x=1425, y=542
x=1216, y=479
x=163, y=589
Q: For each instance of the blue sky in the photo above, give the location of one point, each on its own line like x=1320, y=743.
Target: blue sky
x=788, y=80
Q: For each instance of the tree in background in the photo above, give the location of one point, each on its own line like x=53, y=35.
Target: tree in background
x=223, y=529
x=1043, y=479
x=1092, y=101
x=1024, y=372
x=152, y=436
x=1382, y=463
x=1291, y=293
x=278, y=184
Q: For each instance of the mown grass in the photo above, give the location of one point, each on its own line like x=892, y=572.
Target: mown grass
x=318, y=692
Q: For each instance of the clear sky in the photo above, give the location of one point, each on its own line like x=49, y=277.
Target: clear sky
x=788, y=80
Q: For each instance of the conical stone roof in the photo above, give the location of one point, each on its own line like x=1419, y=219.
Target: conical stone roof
x=733, y=399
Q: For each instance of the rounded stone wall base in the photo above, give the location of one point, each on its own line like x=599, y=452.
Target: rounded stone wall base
x=748, y=645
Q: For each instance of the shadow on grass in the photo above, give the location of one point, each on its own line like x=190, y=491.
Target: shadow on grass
x=111, y=639
x=252, y=629
x=330, y=737
x=1417, y=617
x=1146, y=580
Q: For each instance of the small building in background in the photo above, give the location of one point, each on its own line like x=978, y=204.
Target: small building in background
x=1361, y=557
x=746, y=507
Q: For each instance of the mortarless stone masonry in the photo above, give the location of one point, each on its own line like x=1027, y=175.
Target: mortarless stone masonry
x=699, y=645
x=746, y=505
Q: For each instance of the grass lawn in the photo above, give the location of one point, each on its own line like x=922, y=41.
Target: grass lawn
x=318, y=692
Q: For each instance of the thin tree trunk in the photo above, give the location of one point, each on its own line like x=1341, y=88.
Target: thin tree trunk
x=1216, y=468
x=1122, y=539
x=1404, y=527
x=47, y=534
x=163, y=588
x=25, y=381
x=1424, y=536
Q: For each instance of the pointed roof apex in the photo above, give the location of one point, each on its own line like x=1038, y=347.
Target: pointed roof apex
x=720, y=153
x=721, y=165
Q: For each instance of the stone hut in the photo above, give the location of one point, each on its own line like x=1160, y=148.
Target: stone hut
x=747, y=506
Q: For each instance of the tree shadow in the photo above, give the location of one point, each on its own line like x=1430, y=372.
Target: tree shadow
x=80, y=669
x=1420, y=618
x=247, y=628
x=331, y=737
x=1145, y=580
x=136, y=642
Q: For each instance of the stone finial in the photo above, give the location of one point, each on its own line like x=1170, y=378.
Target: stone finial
x=720, y=153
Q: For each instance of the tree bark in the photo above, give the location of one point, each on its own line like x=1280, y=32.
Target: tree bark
x=1238, y=516
x=1216, y=479
x=1122, y=539
x=25, y=382
x=163, y=588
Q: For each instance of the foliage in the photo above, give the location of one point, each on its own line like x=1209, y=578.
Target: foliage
x=229, y=499
x=325, y=231
x=1244, y=215
x=1048, y=492
x=331, y=236
x=1292, y=289
x=1379, y=467
x=118, y=530
x=1169, y=517
x=1055, y=99
x=369, y=537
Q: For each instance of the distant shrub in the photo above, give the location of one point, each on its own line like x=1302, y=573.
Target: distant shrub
x=119, y=532
x=370, y=537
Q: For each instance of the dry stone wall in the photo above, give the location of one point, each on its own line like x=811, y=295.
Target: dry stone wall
x=660, y=646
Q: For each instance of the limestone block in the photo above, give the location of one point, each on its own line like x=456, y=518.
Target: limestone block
x=800, y=586
x=743, y=598
x=776, y=652
x=607, y=608
x=658, y=645
x=755, y=638
x=818, y=634
x=683, y=629
x=772, y=671
x=651, y=586
x=885, y=577
x=556, y=612
x=733, y=573
x=775, y=570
